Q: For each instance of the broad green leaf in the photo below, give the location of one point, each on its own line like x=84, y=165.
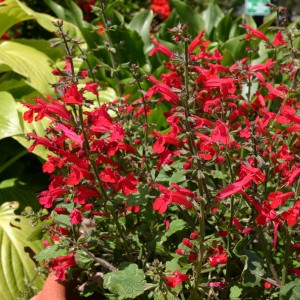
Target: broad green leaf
x=11, y=189
x=10, y=14
x=157, y=116
x=30, y=63
x=188, y=16
x=127, y=282
x=222, y=31
x=236, y=47
x=15, y=252
x=290, y=291
x=46, y=21
x=9, y=118
x=212, y=16
x=141, y=23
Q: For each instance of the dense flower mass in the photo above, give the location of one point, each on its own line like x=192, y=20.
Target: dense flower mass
x=161, y=8
x=220, y=169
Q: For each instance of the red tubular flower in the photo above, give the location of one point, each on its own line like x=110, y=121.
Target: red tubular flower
x=196, y=41
x=160, y=48
x=220, y=133
x=177, y=279
x=72, y=95
x=61, y=264
x=163, y=89
x=218, y=259
x=254, y=32
x=279, y=198
x=76, y=216
x=170, y=196
x=279, y=39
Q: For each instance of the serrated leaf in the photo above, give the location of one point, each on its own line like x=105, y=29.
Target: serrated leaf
x=290, y=291
x=235, y=292
x=141, y=197
x=177, y=176
x=9, y=118
x=218, y=174
x=51, y=252
x=253, y=270
x=127, y=282
x=15, y=251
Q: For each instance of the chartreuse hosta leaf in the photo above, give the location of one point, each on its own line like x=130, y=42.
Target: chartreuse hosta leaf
x=15, y=251
x=14, y=11
x=34, y=65
x=126, y=283
x=9, y=118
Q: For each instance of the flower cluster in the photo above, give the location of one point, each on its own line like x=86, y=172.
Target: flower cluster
x=225, y=165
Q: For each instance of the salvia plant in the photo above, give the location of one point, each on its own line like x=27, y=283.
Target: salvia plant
x=200, y=201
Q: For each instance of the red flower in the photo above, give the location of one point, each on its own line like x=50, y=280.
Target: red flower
x=251, y=32
x=163, y=89
x=61, y=264
x=177, y=279
x=220, y=133
x=161, y=8
x=175, y=195
x=160, y=48
x=218, y=259
x=72, y=95
x=278, y=198
x=76, y=216
x=101, y=29
x=279, y=39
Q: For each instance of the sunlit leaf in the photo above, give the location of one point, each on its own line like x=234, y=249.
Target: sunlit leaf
x=15, y=253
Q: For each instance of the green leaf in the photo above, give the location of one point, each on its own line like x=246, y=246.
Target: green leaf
x=14, y=12
x=141, y=197
x=141, y=23
x=9, y=118
x=157, y=116
x=236, y=47
x=290, y=291
x=223, y=29
x=30, y=63
x=188, y=16
x=15, y=253
x=253, y=270
x=212, y=16
x=178, y=176
x=51, y=252
x=127, y=282
x=235, y=292
x=11, y=189
x=175, y=226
